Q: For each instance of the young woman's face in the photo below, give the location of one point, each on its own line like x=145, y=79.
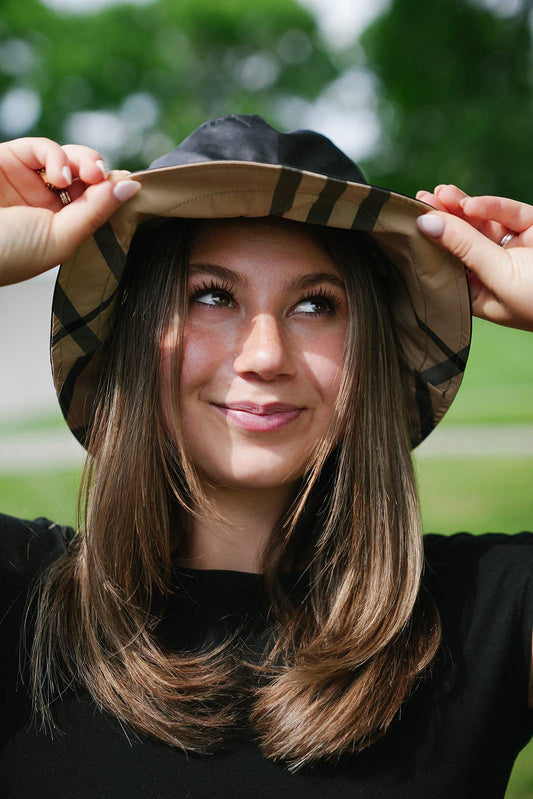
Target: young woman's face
x=263, y=352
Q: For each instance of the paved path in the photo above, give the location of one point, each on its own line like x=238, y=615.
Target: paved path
x=478, y=441
x=59, y=449
x=39, y=451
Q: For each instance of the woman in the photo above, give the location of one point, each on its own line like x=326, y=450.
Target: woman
x=243, y=609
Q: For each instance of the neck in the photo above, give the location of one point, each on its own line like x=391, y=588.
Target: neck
x=237, y=539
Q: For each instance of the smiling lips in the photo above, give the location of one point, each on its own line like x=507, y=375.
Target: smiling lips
x=260, y=418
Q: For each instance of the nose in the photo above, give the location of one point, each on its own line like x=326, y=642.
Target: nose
x=263, y=350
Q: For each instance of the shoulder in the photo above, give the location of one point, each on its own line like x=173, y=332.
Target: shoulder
x=26, y=547
x=483, y=583
x=489, y=555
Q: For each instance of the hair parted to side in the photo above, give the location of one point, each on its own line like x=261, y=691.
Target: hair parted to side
x=347, y=644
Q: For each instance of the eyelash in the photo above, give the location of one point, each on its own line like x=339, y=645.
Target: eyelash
x=324, y=295
x=220, y=287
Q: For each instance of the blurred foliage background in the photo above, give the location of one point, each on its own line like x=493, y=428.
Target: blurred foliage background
x=418, y=92
x=428, y=92
x=135, y=79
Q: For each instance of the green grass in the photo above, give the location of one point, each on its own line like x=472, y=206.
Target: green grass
x=49, y=494
x=498, y=382
x=41, y=423
x=476, y=494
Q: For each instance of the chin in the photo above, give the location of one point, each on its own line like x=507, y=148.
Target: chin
x=252, y=482
x=252, y=478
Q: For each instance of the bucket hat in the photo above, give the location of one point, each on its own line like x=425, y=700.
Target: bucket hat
x=241, y=166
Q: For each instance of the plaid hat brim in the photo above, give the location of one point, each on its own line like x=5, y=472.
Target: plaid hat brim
x=431, y=308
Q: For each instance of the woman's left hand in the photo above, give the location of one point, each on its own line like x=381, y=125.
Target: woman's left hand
x=500, y=278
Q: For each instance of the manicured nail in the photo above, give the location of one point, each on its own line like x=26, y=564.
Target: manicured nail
x=430, y=224
x=438, y=188
x=102, y=166
x=67, y=174
x=126, y=189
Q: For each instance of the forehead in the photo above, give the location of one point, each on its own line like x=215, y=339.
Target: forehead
x=248, y=243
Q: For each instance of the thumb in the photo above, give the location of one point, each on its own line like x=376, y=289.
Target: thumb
x=81, y=218
x=479, y=254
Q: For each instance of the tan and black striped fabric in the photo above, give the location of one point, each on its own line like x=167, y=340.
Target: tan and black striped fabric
x=432, y=310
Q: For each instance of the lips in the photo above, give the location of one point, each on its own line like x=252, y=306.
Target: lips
x=261, y=410
x=252, y=416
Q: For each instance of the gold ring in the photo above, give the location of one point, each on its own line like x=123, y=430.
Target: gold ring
x=63, y=194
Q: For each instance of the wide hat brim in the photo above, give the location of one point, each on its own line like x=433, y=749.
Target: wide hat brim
x=431, y=307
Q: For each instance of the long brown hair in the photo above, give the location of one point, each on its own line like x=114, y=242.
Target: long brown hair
x=345, y=647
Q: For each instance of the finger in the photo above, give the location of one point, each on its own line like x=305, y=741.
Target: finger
x=78, y=186
x=450, y=193
x=451, y=196
x=87, y=164
x=62, y=163
x=38, y=153
x=79, y=220
x=455, y=200
x=430, y=199
x=511, y=214
x=485, y=258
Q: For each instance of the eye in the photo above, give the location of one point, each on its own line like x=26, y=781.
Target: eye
x=213, y=295
x=219, y=298
x=322, y=303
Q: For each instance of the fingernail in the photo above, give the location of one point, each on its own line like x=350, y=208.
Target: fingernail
x=102, y=166
x=126, y=189
x=438, y=188
x=67, y=174
x=430, y=224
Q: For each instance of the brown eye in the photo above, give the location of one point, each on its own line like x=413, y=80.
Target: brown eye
x=319, y=305
x=216, y=298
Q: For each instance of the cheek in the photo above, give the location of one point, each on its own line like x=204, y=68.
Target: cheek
x=205, y=357
x=203, y=353
x=324, y=362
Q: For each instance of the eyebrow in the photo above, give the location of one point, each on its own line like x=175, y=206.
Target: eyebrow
x=222, y=272
x=311, y=279
x=300, y=282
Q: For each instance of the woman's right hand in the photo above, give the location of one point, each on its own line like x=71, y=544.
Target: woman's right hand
x=36, y=231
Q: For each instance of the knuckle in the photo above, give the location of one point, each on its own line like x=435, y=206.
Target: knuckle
x=462, y=246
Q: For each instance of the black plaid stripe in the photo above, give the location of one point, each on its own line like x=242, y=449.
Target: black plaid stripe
x=370, y=209
x=67, y=389
x=321, y=209
x=285, y=191
x=110, y=249
x=441, y=372
x=75, y=325
x=443, y=347
x=455, y=360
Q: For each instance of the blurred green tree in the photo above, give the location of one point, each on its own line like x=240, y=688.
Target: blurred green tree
x=455, y=96
x=141, y=77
